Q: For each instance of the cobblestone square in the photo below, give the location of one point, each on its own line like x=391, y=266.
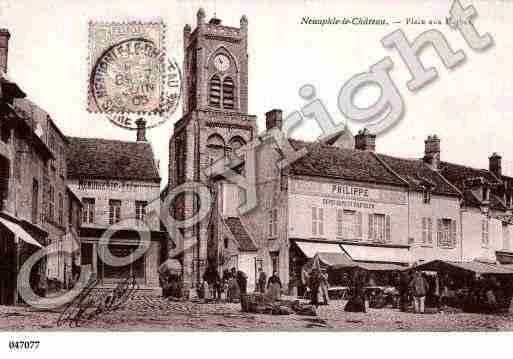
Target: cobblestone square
x=143, y=313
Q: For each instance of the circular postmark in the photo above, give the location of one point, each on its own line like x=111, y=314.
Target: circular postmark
x=134, y=78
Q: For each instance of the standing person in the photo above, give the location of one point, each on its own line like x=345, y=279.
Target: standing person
x=323, y=288
x=242, y=281
x=211, y=276
x=404, y=286
x=262, y=280
x=314, y=282
x=274, y=286
x=419, y=290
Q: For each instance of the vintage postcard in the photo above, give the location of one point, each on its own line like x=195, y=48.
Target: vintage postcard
x=255, y=166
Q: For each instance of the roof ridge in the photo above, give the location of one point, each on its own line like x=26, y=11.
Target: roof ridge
x=387, y=166
x=445, y=180
x=107, y=140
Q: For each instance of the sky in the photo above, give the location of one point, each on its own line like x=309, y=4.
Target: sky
x=468, y=107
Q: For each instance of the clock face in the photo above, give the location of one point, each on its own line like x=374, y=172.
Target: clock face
x=222, y=62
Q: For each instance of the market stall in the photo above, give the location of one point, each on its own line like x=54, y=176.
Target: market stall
x=472, y=286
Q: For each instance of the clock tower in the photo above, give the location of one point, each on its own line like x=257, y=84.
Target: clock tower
x=215, y=122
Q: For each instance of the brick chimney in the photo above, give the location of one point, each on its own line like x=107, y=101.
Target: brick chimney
x=141, y=129
x=432, y=152
x=495, y=164
x=4, y=47
x=365, y=141
x=273, y=119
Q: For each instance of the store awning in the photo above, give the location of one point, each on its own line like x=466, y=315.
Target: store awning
x=309, y=249
x=335, y=260
x=370, y=266
x=474, y=266
x=20, y=232
x=378, y=253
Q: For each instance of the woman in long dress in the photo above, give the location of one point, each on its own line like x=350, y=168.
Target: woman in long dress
x=274, y=287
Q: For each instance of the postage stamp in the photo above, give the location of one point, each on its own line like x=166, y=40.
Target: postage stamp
x=131, y=74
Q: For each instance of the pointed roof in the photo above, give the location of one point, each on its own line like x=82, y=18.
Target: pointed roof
x=111, y=159
x=323, y=160
x=240, y=234
x=419, y=175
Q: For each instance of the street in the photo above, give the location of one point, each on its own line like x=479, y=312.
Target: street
x=144, y=313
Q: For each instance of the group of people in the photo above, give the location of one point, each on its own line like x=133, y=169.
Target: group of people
x=234, y=283
x=230, y=286
x=271, y=285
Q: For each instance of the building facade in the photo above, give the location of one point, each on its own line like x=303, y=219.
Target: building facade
x=32, y=151
x=341, y=197
x=215, y=123
x=117, y=181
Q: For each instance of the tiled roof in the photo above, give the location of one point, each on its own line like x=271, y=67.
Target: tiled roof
x=111, y=159
x=246, y=244
x=353, y=165
x=418, y=175
x=456, y=174
x=470, y=199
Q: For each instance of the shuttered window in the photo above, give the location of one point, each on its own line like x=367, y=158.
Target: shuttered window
x=215, y=92
x=379, y=228
x=485, y=224
x=228, y=93
x=427, y=231
x=114, y=211
x=446, y=233
x=349, y=224
x=317, y=221
x=273, y=223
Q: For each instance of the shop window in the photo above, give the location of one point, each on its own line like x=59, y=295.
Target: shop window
x=349, y=224
x=446, y=233
x=273, y=222
x=317, y=221
x=86, y=253
x=427, y=231
x=114, y=211
x=88, y=210
x=485, y=224
x=116, y=273
x=379, y=228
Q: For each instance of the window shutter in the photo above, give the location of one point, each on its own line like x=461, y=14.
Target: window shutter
x=321, y=221
x=339, y=222
x=483, y=231
x=424, y=230
x=371, y=225
x=314, y=221
x=387, y=229
x=430, y=231
x=359, y=225
x=439, y=231
x=453, y=233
